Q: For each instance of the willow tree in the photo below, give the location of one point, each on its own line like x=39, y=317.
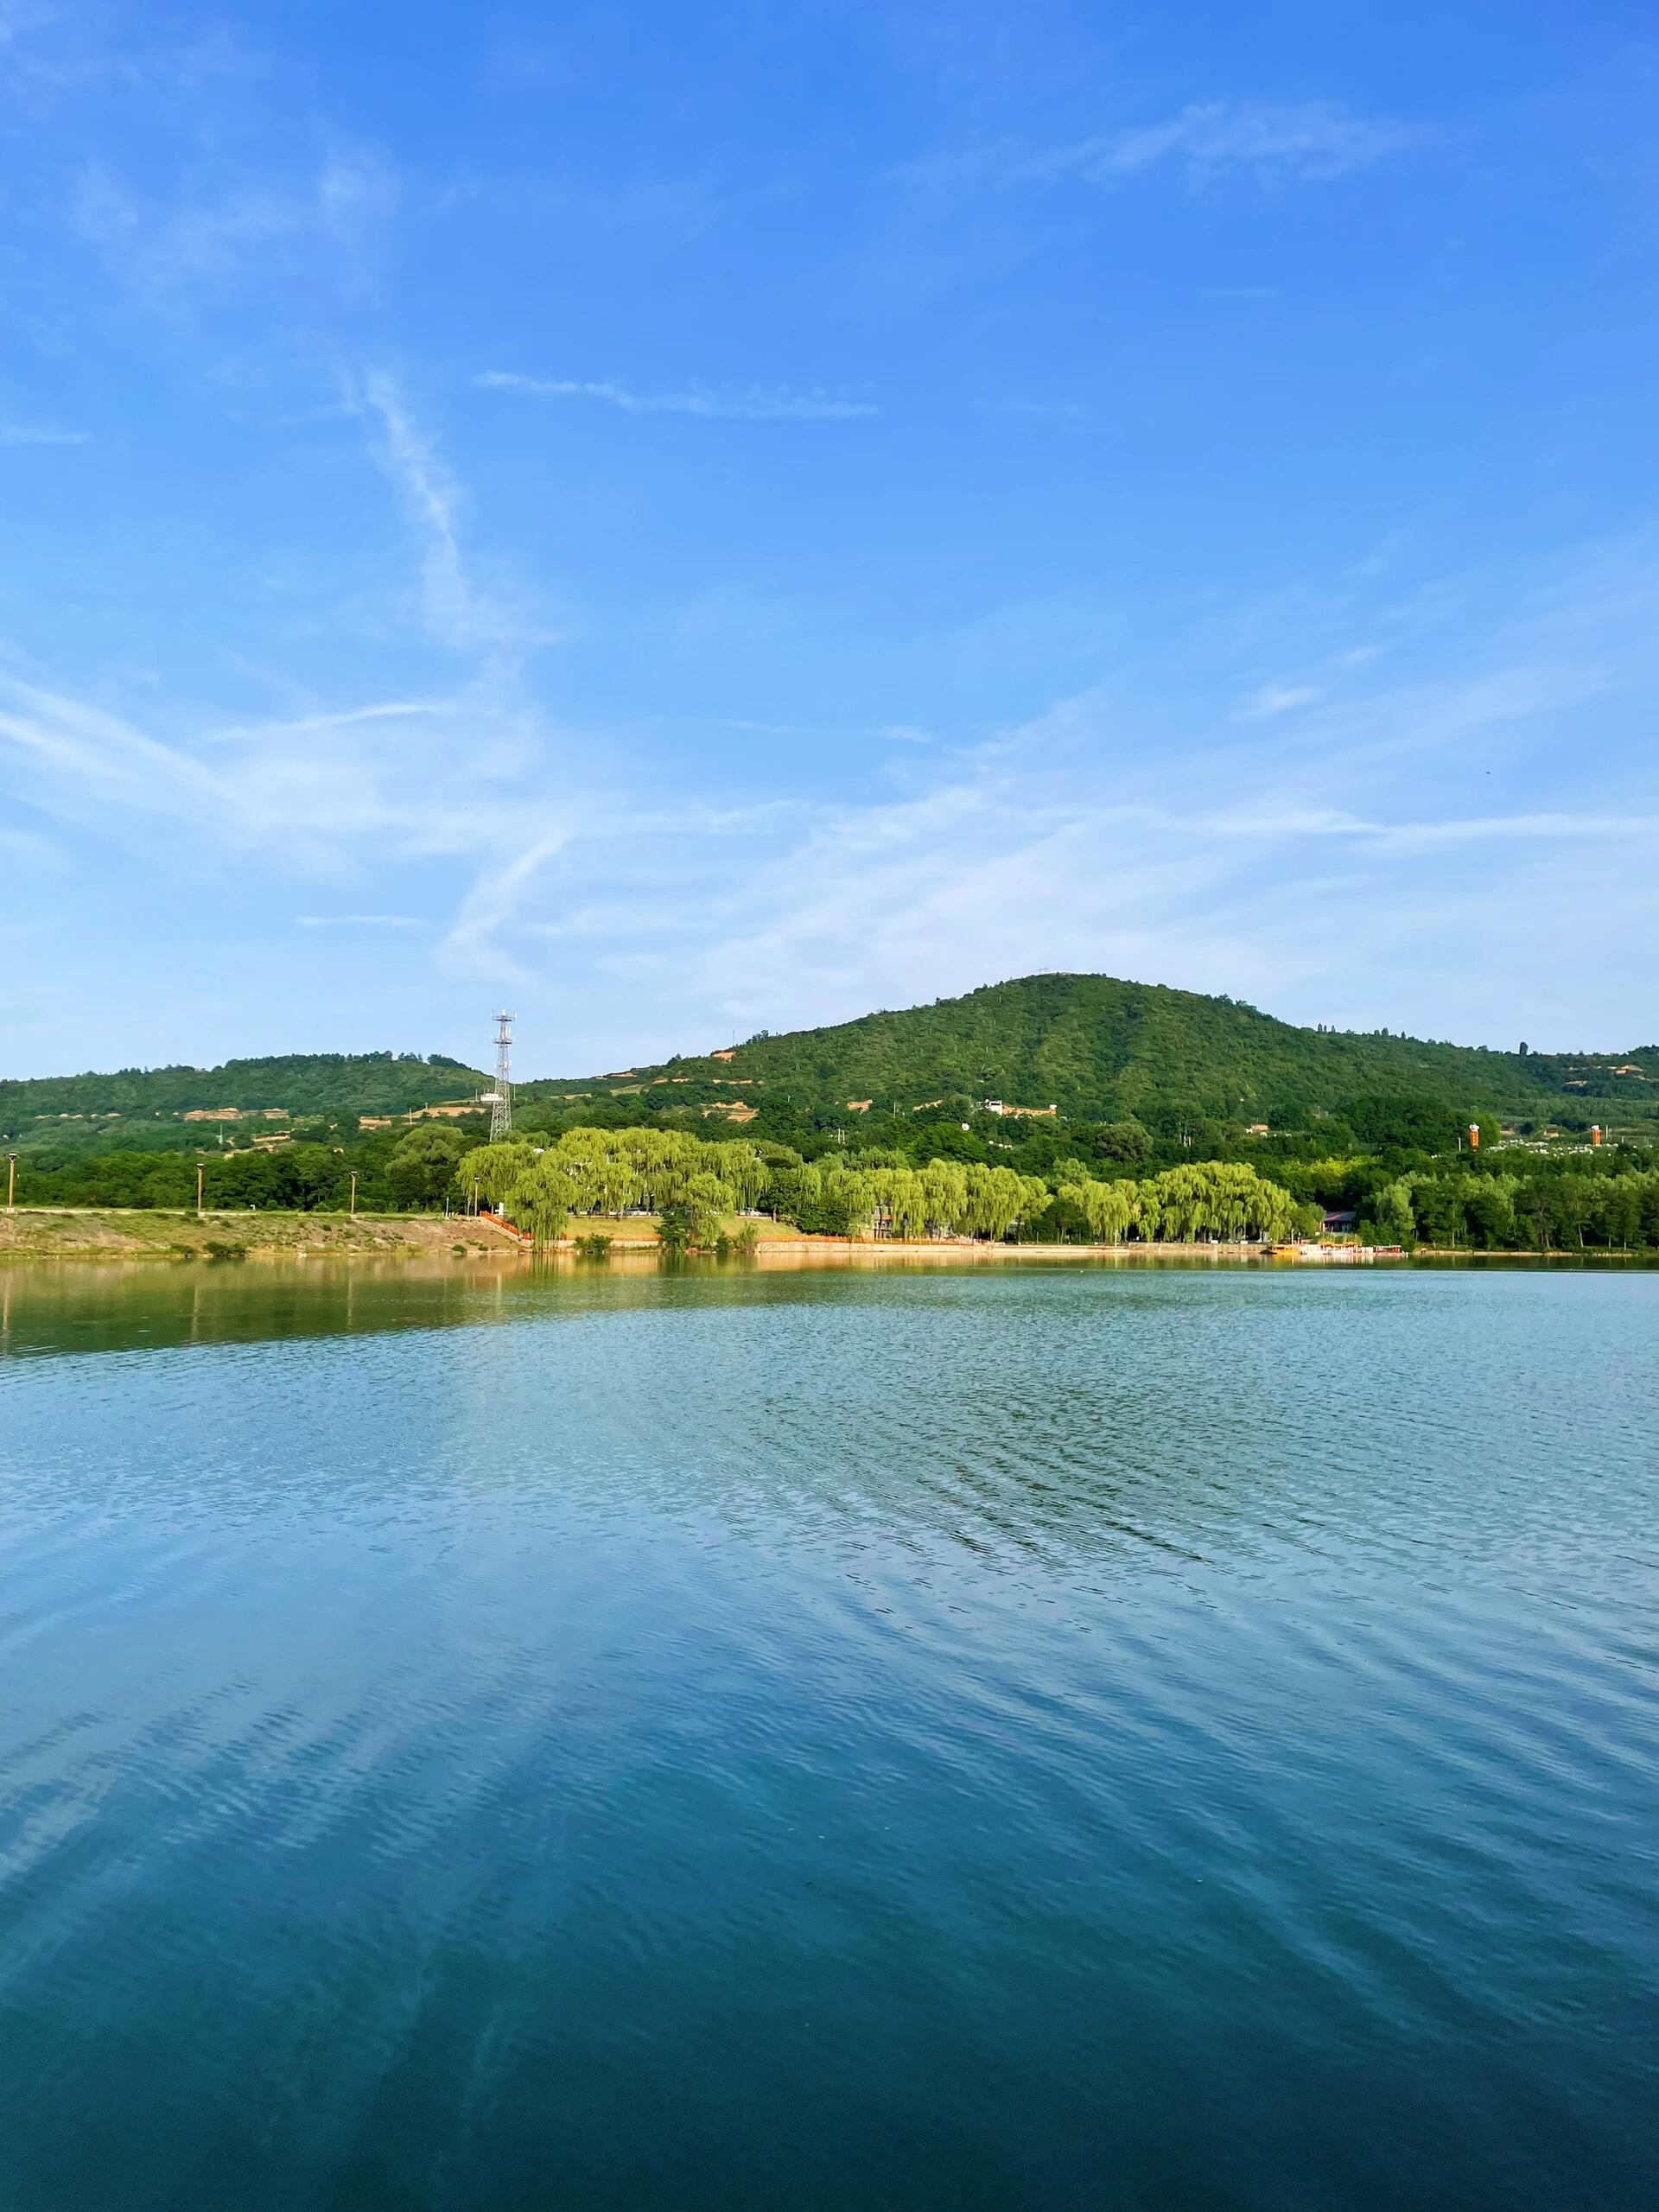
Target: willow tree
x=740, y=1166
x=1182, y=1202
x=542, y=1199
x=612, y=1170
x=708, y=1201
x=850, y=1196
x=492, y=1169
x=1111, y=1209
x=998, y=1199
x=660, y=1159
x=795, y=1189
x=1037, y=1196
x=906, y=1203
x=944, y=1189
x=604, y=1173
x=1218, y=1199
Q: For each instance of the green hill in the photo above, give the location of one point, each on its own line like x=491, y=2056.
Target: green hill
x=1097, y=1049
x=1100, y=1049
x=299, y=1082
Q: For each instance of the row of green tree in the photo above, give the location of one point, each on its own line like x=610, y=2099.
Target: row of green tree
x=393, y=1172
x=1560, y=1210
x=691, y=1183
x=1397, y=1132
x=1074, y=1184
x=694, y=1186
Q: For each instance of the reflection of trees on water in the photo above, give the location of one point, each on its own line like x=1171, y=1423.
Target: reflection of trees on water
x=88, y=1306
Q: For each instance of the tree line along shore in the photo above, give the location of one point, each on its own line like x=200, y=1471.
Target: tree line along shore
x=690, y=1187
x=1046, y=1110
x=1072, y=1187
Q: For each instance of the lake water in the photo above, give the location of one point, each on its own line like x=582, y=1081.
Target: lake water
x=1097, y=1738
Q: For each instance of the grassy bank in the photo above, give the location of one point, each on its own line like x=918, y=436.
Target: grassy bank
x=114, y=1232
x=155, y=1232
x=111, y=1233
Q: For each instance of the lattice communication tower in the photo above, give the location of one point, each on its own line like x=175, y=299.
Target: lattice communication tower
x=500, y=1099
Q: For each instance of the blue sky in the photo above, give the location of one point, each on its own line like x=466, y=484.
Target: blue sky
x=686, y=517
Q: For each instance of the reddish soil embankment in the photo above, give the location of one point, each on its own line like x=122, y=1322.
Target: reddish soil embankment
x=114, y=1233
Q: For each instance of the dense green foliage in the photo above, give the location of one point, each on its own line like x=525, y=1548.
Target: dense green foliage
x=397, y=1170
x=1569, y=1210
x=1208, y=1199
x=1153, y=1087
x=693, y=1185
x=1103, y=1050
x=301, y=1083
x=298, y=1178
x=1087, y=1191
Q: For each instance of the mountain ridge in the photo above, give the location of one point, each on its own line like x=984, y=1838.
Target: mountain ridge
x=1097, y=1047
x=1093, y=1046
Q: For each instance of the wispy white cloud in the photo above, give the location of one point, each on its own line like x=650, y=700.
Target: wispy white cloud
x=1067, y=414
x=331, y=793
x=26, y=845
x=208, y=231
x=987, y=877
x=18, y=17
x=1289, y=858
x=1278, y=699
x=389, y=710
x=351, y=792
x=362, y=922
x=1315, y=140
x=753, y=404
x=458, y=612
x=1614, y=829
x=356, y=195
x=473, y=945
x=61, y=746
x=50, y=53
x=41, y=434
x=1310, y=142
x=1293, y=865
x=430, y=498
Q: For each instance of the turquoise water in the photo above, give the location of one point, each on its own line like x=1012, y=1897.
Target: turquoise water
x=1066, y=1738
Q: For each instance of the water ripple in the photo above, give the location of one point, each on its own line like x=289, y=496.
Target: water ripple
x=1040, y=1738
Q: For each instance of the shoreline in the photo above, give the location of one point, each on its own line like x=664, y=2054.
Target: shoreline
x=158, y=1233
x=72, y=1233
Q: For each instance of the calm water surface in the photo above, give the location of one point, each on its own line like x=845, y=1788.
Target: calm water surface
x=1069, y=1737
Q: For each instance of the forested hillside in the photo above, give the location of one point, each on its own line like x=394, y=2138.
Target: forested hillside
x=1171, y=1067
x=1178, y=1115
x=1103, y=1050
x=299, y=1082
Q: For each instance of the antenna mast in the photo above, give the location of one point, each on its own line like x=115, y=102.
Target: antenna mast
x=501, y=1097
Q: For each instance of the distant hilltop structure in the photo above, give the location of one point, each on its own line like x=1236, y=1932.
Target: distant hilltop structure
x=500, y=1099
